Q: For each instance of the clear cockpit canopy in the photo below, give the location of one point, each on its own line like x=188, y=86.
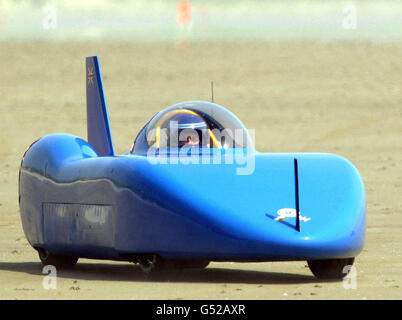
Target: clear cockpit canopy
x=193, y=124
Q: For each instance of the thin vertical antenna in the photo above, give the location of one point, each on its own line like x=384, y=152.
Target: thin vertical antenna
x=212, y=91
x=297, y=196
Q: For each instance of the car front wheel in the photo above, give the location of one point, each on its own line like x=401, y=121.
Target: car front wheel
x=330, y=268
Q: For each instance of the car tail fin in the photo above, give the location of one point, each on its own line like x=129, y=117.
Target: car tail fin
x=99, y=136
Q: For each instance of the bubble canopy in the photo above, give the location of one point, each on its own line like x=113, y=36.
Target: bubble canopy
x=193, y=124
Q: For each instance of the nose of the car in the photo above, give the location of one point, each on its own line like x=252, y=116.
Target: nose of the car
x=255, y=213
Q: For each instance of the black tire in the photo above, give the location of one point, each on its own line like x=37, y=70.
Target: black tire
x=154, y=265
x=59, y=261
x=330, y=268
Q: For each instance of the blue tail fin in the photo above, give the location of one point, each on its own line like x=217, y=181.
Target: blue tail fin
x=99, y=136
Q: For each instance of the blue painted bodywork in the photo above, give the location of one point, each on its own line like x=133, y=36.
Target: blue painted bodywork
x=74, y=201
x=190, y=211
x=98, y=127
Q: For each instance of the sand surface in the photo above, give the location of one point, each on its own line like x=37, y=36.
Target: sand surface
x=305, y=97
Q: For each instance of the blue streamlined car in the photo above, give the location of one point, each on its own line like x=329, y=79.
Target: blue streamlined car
x=191, y=190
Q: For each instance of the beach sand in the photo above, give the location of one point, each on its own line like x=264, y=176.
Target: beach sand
x=300, y=97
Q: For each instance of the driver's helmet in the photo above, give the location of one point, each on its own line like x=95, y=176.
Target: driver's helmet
x=185, y=130
x=192, y=123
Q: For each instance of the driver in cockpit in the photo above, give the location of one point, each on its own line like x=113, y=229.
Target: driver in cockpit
x=187, y=130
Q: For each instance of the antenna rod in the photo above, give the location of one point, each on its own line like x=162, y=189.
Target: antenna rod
x=297, y=196
x=212, y=91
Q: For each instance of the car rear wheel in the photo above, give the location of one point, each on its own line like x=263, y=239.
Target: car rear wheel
x=330, y=268
x=59, y=261
x=154, y=265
